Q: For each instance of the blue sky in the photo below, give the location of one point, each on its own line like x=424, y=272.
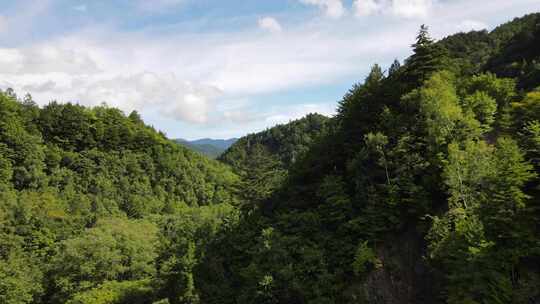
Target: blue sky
x=218, y=68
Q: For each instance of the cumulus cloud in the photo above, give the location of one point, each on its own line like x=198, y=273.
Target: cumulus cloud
x=366, y=7
x=331, y=8
x=181, y=100
x=68, y=69
x=270, y=24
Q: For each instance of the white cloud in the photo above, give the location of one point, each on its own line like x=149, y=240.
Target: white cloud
x=181, y=100
x=296, y=58
x=40, y=87
x=74, y=70
x=412, y=8
x=366, y=7
x=128, y=71
x=471, y=25
x=46, y=58
x=11, y=60
x=270, y=24
x=199, y=77
x=399, y=8
x=331, y=8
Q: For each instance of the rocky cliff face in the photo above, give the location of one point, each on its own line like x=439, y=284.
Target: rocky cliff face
x=402, y=276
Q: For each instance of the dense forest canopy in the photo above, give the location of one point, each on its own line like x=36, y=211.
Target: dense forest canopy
x=422, y=189
x=286, y=142
x=89, y=198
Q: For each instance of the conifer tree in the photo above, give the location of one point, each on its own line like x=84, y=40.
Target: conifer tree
x=427, y=57
x=396, y=65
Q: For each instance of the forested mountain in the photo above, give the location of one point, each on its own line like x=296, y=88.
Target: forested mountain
x=212, y=148
x=208, y=150
x=220, y=143
x=510, y=50
x=263, y=159
x=285, y=142
x=424, y=188
x=96, y=207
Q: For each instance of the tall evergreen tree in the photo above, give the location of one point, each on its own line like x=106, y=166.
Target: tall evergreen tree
x=394, y=68
x=427, y=57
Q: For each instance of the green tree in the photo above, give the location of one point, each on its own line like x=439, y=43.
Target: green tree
x=113, y=292
x=483, y=107
x=116, y=249
x=507, y=200
x=427, y=57
x=394, y=68
x=263, y=175
x=440, y=111
x=364, y=259
x=183, y=239
x=20, y=279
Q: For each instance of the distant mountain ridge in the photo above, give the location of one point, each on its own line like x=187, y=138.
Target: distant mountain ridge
x=208, y=146
x=220, y=143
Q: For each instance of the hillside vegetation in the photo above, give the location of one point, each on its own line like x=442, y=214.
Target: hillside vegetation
x=96, y=207
x=423, y=189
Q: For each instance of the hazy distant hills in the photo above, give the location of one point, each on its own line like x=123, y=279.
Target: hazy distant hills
x=208, y=146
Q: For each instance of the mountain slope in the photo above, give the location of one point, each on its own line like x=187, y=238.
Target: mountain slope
x=220, y=143
x=91, y=202
x=510, y=50
x=287, y=142
x=262, y=159
x=423, y=189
